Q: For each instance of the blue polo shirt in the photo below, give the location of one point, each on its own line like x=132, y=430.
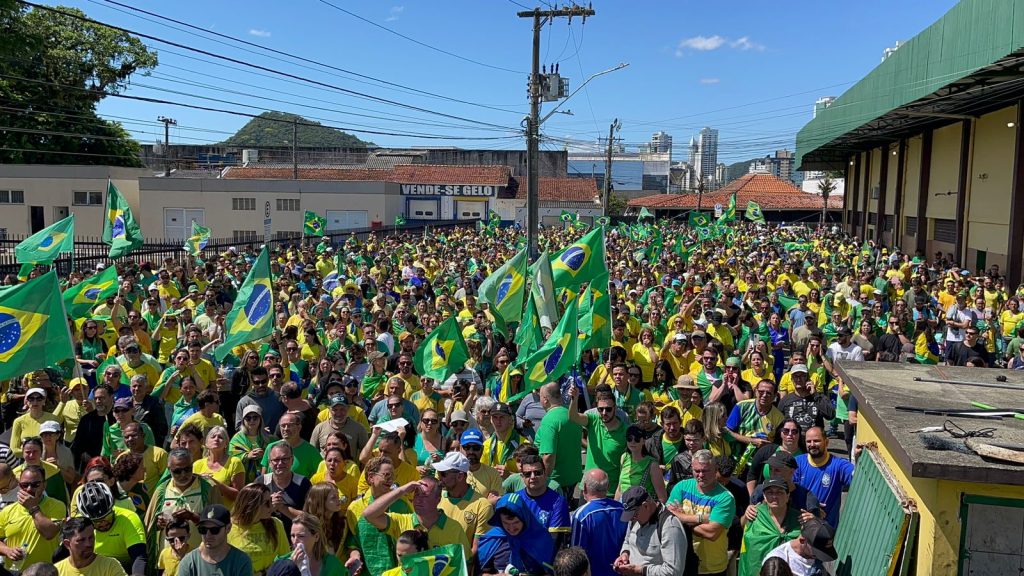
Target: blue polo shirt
x=826, y=482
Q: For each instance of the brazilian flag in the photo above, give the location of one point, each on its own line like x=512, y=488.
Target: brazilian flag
x=698, y=220
x=80, y=299
x=441, y=561
x=198, y=240
x=503, y=290
x=399, y=220
x=729, y=214
x=443, y=353
x=604, y=221
x=252, y=315
x=120, y=229
x=44, y=246
x=313, y=224
x=581, y=262
x=644, y=213
x=529, y=335
x=33, y=330
x=595, y=307
x=753, y=212
x=556, y=357
x=568, y=216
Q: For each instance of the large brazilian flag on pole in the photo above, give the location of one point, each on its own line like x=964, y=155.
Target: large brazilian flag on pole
x=33, y=330
x=44, y=246
x=252, y=315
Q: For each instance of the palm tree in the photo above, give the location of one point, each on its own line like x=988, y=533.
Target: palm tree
x=826, y=186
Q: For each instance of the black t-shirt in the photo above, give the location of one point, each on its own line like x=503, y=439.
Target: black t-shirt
x=960, y=354
x=813, y=410
x=294, y=495
x=890, y=343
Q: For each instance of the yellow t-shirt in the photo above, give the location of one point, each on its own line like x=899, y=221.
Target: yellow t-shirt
x=17, y=529
x=486, y=480
x=166, y=343
x=126, y=531
x=151, y=373
x=100, y=566
x=224, y=475
x=254, y=541
x=203, y=422
x=472, y=511
x=206, y=371
x=445, y=531
x=412, y=384
x=348, y=487
x=169, y=561
x=154, y=461
x=25, y=426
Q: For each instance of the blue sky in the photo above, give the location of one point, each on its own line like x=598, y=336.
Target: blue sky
x=752, y=70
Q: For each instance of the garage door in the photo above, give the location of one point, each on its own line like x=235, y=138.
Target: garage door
x=423, y=210
x=346, y=220
x=466, y=210
x=178, y=222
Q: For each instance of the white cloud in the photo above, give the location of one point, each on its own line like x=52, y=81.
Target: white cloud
x=395, y=13
x=745, y=43
x=710, y=80
x=259, y=33
x=709, y=43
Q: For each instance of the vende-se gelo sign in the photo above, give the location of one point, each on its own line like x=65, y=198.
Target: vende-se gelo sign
x=448, y=190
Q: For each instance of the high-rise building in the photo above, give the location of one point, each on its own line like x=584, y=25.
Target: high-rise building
x=721, y=175
x=780, y=165
x=660, y=142
x=706, y=155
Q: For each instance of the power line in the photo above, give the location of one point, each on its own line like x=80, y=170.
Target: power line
x=256, y=66
x=424, y=44
x=288, y=54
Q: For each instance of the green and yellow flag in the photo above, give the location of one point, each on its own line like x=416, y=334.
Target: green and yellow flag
x=252, y=315
x=698, y=220
x=443, y=353
x=581, y=262
x=441, y=561
x=644, y=213
x=556, y=357
x=542, y=291
x=198, y=240
x=566, y=216
x=753, y=212
x=729, y=214
x=313, y=224
x=120, y=229
x=505, y=287
x=44, y=246
x=80, y=299
x=33, y=330
x=399, y=220
x=595, y=325
x=529, y=336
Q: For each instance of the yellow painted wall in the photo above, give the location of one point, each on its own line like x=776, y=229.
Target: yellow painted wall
x=938, y=503
x=945, y=172
x=892, y=177
x=911, y=186
x=988, y=214
x=874, y=179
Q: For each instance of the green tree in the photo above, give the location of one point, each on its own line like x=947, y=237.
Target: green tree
x=616, y=204
x=54, y=70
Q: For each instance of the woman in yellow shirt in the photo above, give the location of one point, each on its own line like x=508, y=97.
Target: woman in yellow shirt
x=340, y=471
x=254, y=531
x=226, y=472
x=758, y=369
x=645, y=356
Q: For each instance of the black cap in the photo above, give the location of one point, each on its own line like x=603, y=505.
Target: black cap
x=501, y=408
x=782, y=459
x=844, y=331
x=631, y=501
x=775, y=482
x=820, y=535
x=215, y=516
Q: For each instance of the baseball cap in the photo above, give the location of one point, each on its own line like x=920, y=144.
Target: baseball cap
x=214, y=516
x=798, y=368
x=820, y=535
x=452, y=461
x=782, y=459
x=471, y=436
x=632, y=500
x=501, y=408
x=252, y=409
x=775, y=482
x=32, y=391
x=686, y=382
x=680, y=337
x=460, y=416
x=699, y=334
x=734, y=362
x=123, y=403
x=76, y=382
x=51, y=426
x=844, y=331
x=338, y=400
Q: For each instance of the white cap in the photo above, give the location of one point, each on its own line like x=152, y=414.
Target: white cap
x=798, y=368
x=32, y=391
x=252, y=409
x=49, y=426
x=100, y=266
x=453, y=461
x=459, y=416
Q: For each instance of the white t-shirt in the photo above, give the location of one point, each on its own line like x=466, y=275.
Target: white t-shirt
x=958, y=315
x=836, y=351
x=798, y=564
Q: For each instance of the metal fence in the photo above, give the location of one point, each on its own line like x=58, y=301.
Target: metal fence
x=91, y=250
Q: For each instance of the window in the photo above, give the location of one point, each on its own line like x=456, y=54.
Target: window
x=87, y=198
x=12, y=196
x=945, y=230
x=243, y=235
x=287, y=204
x=911, y=228
x=243, y=204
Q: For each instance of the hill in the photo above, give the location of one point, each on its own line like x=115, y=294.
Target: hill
x=737, y=169
x=275, y=129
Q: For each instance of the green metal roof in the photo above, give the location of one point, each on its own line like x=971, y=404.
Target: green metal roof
x=964, y=60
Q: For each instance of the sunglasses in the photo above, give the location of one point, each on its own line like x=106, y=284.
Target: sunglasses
x=429, y=421
x=790, y=431
x=173, y=539
x=605, y=409
x=473, y=448
x=121, y=409
x=132, y=350
x=30, y=485
x=394, y=404
x=252, y=418
x=182, y=470
x=259, y=381
x=533, y=474
x=36, y=398
x=212, y=530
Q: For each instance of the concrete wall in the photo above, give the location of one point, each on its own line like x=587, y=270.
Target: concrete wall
x=987, y=221
x=54, y=186
x=938, y=502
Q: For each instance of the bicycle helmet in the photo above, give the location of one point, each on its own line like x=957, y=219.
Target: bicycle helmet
x=95, y=500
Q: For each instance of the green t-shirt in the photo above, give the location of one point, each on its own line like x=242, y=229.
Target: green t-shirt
x=605, y=448
x=634, y=473
x=305, y=462
x=557, y=435
x=236, y=562
x=669, y=449
x=720, y=507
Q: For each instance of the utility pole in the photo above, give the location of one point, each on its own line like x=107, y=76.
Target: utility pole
x=168, y=122
x=608, y=165
x=295, y=144
x=540, y=17
x=700, y=191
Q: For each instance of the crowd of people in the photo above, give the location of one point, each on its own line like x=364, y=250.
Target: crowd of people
x=698, y=442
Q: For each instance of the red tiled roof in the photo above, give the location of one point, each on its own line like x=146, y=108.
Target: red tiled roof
x=562, y=190
x=769, y=192
x=402, y=174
